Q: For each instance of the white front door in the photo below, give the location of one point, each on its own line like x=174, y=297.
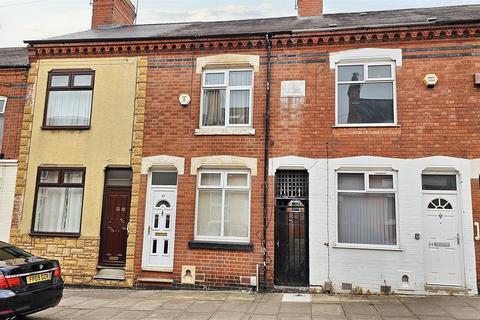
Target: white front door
x=159, y=234
x=443, y=260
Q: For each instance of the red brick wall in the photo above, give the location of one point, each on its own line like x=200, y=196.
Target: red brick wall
x=12, y=86
x=107, y=12
x=308, y=8
x=438, y=121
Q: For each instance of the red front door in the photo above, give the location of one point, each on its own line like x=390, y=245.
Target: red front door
x=114, y=233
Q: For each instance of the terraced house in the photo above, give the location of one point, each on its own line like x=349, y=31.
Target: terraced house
x=13, y=79
x=336, y=151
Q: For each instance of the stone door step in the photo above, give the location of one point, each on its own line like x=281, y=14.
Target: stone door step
x=296, y=297
x=110, y=274
x=155, y=280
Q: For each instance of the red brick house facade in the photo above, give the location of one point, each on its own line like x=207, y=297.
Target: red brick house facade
x=360, y=160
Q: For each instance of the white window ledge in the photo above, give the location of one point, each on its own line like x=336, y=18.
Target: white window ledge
x=381, y=248
x=225, y=131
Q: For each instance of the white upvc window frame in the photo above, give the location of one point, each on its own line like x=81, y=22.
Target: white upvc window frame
x=228, y=89
x=367, y=63
x=367, y=189
x=2, y=115
x=223, y=187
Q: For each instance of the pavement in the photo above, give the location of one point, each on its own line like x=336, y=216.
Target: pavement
x=94, y=304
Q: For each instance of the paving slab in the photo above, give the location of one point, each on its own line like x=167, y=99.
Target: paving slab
x=359, y=309
x=147, y=305
x=177, y=304
x=293, y=316
x=393, y=310
x=100, y=314
x=332, y=310
x=123, y=303
x=267, y=309
x=227, y=316
x=93, y=304
x=296, y=308
x=164, y=314
x=204, y=306
x=236, y=306
x=194, y=316
x=426, y=309
x=463, y=312
x=132, y=315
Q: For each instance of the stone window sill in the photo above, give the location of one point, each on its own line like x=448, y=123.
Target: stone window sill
x=240, y=131
x=220, y=246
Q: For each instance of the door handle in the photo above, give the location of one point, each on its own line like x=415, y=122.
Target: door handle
x=149, y=228
x=278, y=243
x=128, y=228
x=477, y=229
x=458, y=238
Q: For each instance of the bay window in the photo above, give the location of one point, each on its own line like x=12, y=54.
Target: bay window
x=69, y=99
x=367, y=210
x=366, y=94
x=59, y=200
x=227, y=98
x=223, y=206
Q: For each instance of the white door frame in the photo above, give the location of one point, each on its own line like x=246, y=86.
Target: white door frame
x=460, y=229
x=147, y=219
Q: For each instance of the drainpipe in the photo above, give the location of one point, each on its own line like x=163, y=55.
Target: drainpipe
x=266, y=158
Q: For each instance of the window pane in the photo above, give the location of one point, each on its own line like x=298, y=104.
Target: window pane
x=119, y=178
x=69, y=108
x=209, y=213
x=237, y=180
x=49, y=176
x=213, y=108
x=211, y=179
x=366, y=218
x=236, y=214
x=73, y=177
x=82, y=80
x=376, y=72
x=381, y=182
x=239, y=106
x=214, y=79
x=351, y=181
x=240, y=78
x=1, y=130
x=3, y=102
x=439, y=182
x=60, y=81
x=164, y=178
x=58, y=210
x=365, y=103
x=351, y=73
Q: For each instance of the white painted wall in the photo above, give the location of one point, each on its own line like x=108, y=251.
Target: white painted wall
x=8, y=175
x=371, y=268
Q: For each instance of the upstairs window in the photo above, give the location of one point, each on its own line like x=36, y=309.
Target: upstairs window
x=227, y=98
x=366, y=94
x=69, y=99
x=3, y=103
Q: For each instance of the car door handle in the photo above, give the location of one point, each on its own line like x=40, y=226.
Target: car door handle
x=477, y=229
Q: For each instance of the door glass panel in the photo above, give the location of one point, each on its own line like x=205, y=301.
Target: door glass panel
x=164, y=178
x=165, y=247
x=167, y=222
x=156, y=221
x=119, y=178
x=154, y=246
x=439, y=182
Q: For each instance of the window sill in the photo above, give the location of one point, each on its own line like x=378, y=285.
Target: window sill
x=220, y=246
x=340, y=126
x=66, y=128
x=379, y=248
x=240, y=131
x=54, y=234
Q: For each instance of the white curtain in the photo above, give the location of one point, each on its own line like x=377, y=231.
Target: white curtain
x=58, y=210
x=240, y=78
x=366, y=218
x=214, y=107
x=236, y=214
x=239, y=106
x=69, y=108
x=209, y=220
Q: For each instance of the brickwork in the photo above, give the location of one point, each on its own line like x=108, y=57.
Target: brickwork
x=12, y=86
x=307, y=8
x=111, y=12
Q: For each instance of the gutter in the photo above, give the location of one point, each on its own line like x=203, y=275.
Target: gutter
x=266, y=158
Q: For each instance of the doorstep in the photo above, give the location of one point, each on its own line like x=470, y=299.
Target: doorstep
x=108, y=273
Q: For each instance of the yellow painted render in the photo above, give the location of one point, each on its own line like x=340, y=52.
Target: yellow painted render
x=107, y=142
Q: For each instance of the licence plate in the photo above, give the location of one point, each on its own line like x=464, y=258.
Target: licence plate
x=38, y=278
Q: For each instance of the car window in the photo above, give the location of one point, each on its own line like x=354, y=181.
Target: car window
x=9, y=253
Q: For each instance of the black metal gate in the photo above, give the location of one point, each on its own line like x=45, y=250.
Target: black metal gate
x=291, y=228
